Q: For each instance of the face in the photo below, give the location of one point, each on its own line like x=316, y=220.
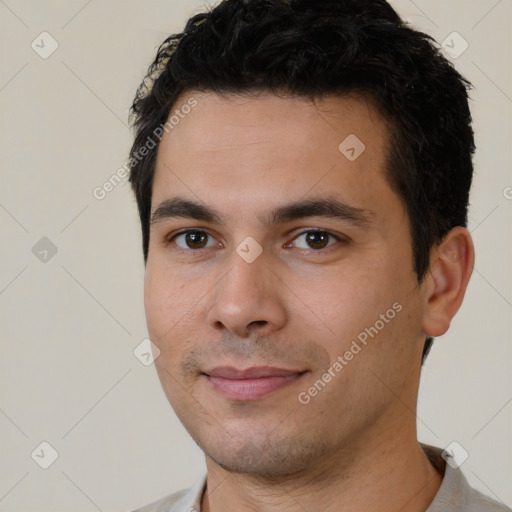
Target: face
x=279, y=284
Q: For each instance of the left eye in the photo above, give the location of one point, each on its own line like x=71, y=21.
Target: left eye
x=315, y=240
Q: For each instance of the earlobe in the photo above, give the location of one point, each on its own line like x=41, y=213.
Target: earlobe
x=451, y=265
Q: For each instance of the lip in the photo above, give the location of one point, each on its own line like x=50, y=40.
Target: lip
x=250, y=383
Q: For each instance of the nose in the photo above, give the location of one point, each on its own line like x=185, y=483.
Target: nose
x=248, y=299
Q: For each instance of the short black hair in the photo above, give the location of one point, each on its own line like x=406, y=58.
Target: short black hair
x=312, y=48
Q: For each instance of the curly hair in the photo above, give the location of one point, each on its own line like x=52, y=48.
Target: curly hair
x=311, y=48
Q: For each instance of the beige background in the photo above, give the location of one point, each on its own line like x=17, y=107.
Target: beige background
x=69, y=325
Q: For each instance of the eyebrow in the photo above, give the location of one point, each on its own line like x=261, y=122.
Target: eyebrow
x=330, y=208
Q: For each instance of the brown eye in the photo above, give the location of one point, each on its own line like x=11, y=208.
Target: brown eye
x=193, y=239
x=315, y=240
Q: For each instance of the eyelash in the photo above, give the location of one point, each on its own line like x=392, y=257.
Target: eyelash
x=339, y=238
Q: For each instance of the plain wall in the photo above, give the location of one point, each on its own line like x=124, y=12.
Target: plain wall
x=69, y=325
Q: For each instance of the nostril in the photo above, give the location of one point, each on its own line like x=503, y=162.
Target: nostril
x=259, y=322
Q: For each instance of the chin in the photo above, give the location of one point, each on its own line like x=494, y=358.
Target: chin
x=267, y=458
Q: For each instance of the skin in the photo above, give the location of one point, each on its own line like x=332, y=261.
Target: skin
x=353, y=446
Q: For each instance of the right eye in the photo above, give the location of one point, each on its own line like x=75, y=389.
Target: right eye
x=192, y=239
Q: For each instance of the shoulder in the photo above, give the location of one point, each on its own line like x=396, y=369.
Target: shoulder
x=478, y=502
x=455, y=493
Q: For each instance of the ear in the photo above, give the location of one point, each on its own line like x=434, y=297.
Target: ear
x=451, y=265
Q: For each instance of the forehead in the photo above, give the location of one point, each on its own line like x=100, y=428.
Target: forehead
x=255, y=150
x=224, y=122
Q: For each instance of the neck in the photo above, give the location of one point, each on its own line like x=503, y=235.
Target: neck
x=386, y=470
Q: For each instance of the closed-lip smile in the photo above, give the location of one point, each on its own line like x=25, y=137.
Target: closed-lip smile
x=250, y=383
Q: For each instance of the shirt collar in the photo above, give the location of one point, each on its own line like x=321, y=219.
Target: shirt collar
x=453, y=493
x=191, y=501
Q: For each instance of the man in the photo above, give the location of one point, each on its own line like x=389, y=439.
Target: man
x=302, y=171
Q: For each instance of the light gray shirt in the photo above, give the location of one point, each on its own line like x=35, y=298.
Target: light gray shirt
x=454, y=495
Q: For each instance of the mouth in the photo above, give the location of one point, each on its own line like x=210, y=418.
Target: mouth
x=250, y=383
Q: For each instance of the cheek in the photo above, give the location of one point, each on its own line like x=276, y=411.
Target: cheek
x=350, y=299
x=364, y=302
x=160, y=304
x=174, y=309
